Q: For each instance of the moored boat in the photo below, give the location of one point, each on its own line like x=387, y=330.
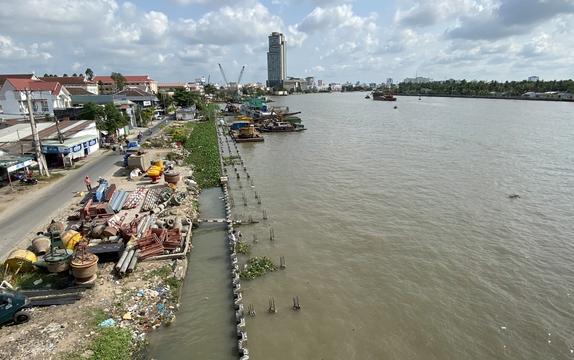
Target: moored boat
x=282, y=127
x=247, y=134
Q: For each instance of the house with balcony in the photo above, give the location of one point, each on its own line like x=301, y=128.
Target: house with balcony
x=45, y=96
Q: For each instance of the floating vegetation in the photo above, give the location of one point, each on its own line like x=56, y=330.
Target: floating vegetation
x=204, y=154
x=242, y=247
x=230, y=160
x=256, y=267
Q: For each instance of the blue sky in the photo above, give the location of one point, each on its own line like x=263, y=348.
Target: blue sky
x=333, y=40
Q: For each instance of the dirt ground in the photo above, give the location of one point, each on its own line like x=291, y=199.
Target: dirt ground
x=141, y=301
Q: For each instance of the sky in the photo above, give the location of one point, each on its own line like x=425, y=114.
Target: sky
x=332, y=40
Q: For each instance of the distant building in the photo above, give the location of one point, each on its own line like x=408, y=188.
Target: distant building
x=336, y=87
x=533, y=78
x=417, y=80
x=74, y=82
x=310, y=81
x=294, y=84
x=389, y=82
x=276, y=63
x=107, y=85
x=319, y=83
x=169, y=88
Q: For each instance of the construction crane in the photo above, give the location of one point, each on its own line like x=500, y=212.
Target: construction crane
x=240, y=76
x=223, y=74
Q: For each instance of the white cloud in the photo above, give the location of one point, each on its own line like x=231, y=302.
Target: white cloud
x=231, y=25
x=340, y=16
x=11, y=51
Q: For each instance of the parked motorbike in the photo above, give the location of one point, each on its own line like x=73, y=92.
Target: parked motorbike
x=28, y=181
x=25, y=180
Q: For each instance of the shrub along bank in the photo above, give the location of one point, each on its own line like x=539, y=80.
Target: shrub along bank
x=204, y=153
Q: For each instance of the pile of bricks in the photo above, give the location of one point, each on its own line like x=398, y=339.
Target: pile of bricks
x=156, y=241
x=173, y=239
x=151, y=244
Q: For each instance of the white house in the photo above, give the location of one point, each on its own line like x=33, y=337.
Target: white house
x=45, y=96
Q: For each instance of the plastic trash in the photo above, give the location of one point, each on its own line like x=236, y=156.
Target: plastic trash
x=108, y=323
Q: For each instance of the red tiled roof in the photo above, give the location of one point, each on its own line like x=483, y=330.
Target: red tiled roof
x=68, y=80
x=38, y=85
x=129, y=78
x=3, y=77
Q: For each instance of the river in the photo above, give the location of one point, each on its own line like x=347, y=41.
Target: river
x=399, y=235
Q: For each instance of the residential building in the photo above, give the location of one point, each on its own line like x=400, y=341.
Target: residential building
x=533, y=78
x=276, y=60
x=74, y=82
x=45, y=96
x=137, y=95
x=320, y=84
x=107, y=85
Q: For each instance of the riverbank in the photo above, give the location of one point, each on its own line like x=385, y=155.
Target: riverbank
x=488, y=97
x=113, y=315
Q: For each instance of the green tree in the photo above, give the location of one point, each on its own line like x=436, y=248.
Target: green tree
x=111, y=119
x=165, y=100
x=89, y=74
x=74, y=74
x=119, y=80
x=91, y=111
x=185, y=98
x=65, y=75
x=210, y=89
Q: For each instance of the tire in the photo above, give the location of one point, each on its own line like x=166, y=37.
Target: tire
x=21, y=317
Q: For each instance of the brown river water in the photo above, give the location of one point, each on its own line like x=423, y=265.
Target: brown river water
x=399, y=235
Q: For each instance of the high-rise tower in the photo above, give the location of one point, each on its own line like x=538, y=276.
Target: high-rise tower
x=276, y=60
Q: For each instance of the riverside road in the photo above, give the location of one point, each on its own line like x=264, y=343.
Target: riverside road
x=30, y=217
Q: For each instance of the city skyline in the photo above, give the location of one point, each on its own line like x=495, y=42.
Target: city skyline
x=338, y=41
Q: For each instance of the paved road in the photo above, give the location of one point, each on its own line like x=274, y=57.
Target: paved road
x=22, y=223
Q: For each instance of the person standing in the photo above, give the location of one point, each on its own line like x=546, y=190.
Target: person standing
x=88, y=183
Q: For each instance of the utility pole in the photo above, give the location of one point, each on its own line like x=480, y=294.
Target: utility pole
x=36, y=139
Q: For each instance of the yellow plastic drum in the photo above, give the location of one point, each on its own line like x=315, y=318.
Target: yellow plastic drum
x=21, y=259
x=71, y=238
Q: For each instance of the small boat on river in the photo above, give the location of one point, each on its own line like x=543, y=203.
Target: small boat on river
x=381, y=96
x=282, y=127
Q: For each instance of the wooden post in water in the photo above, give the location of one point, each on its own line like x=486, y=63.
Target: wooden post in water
x=296, y=304
x=272, y=309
